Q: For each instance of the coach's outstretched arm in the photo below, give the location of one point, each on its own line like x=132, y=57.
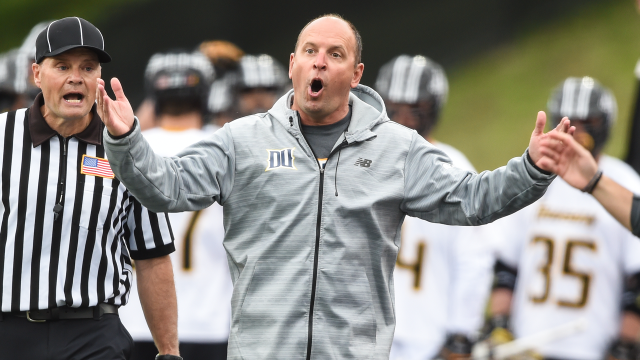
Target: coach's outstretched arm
x=437, y=192
x=578, y=168
x=155, y=187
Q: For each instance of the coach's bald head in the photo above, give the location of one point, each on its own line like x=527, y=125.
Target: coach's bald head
x=324, y=68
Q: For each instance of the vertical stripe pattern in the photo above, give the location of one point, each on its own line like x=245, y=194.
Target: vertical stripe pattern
x=261, y=71
x=409, y=79
x=581, y=98
x=83, y=257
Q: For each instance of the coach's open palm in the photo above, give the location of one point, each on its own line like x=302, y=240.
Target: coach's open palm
x=538, y=135
x=117, y=114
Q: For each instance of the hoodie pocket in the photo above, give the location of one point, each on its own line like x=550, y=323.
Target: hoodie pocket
x=344, y=319
x=275, y=312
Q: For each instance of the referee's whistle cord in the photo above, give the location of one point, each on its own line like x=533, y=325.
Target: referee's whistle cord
x=57, y=209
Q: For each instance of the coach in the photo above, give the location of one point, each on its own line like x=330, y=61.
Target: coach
x=314, y=194
x=68, y=227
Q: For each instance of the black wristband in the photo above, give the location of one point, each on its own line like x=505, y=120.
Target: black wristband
x=635, y=215
x=536, y=166
x=593, y=182
x=168, y=357
x=114, y=137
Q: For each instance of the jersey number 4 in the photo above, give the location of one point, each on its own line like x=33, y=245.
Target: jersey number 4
x=567, y=269
x=416, y=266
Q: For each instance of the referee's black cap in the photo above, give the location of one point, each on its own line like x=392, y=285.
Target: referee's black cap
x=70, y=33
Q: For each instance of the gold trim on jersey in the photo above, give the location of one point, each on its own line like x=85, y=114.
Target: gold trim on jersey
x=545, y=269
x=547, y=213
x=567, y=270
x=187, y=243
x=415, y=267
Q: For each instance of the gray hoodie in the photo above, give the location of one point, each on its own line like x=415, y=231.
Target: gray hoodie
x=312, y=250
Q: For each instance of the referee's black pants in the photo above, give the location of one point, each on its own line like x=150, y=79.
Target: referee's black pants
x=74, y=339
x=146, y=350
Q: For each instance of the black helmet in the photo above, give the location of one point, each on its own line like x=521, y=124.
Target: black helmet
x=261, y=71
x=414, y=80
x=584, y=101
x=179, y=76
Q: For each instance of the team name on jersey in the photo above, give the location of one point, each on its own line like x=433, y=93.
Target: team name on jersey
x=281, y=159
x=550, y=214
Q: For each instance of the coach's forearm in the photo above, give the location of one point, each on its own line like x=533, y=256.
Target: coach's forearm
x=615, y=199
x=159, y=304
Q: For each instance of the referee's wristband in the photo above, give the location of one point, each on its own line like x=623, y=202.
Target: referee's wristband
x=593, y=182
x=168, y=357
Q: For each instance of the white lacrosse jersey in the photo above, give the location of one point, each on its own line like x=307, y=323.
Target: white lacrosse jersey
x=203, y=282
x=441, y=281
x=572, y=259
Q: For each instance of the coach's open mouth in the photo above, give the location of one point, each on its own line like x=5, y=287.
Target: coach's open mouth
x=316, y=87
x=73, y=98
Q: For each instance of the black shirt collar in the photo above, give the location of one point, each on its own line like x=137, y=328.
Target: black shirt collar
x=40, y=131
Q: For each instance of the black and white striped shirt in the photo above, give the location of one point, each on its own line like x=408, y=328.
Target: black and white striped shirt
x=81, y=255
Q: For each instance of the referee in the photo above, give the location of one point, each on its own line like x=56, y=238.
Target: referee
x=68, y=228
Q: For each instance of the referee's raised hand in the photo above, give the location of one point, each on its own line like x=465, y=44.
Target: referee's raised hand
x=117, y=115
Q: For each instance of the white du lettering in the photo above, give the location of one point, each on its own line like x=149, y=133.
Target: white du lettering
x=280, y=159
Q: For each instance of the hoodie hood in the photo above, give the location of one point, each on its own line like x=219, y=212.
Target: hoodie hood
x=367, y=111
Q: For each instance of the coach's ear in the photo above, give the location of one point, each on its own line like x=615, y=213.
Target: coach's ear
x=291, y=59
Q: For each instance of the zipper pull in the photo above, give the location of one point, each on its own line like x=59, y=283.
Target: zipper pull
x=56, y=211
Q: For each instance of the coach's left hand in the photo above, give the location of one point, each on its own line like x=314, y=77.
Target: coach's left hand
x=535, y=147
x=117, y=115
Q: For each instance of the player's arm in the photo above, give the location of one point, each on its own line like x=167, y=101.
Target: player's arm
x=626, y=347
x=438, y=192
x=200, y=175
x=577, y=167
x=497, y=329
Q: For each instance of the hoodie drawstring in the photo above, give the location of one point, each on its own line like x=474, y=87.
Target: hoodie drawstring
x=291, y=121
x=335, y=179
x=335, y=176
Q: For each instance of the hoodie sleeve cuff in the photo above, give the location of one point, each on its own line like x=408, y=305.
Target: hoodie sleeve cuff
x=530, y=160
x=133, y=128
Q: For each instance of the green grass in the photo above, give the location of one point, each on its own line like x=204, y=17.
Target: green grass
x=494, y=97
x=21, y=15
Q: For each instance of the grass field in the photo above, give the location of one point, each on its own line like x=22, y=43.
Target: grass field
x=494, y=97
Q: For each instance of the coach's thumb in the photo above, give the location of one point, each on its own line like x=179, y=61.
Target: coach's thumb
x=117, y=90
x=540, y=123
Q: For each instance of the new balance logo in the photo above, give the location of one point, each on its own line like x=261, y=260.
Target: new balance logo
x=363, y=162
x=281, y=159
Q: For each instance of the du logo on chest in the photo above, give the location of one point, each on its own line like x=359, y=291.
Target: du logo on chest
x=281, y=159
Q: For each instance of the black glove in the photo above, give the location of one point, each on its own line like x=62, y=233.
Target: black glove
x=623, y=350
x=168, y=357
x=457, y=347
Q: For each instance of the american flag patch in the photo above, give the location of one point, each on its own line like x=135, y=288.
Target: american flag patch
x=96, y=166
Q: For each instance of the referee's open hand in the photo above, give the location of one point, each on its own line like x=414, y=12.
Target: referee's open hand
x=117, y=114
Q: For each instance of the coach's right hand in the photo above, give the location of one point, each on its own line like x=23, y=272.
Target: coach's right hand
x=117, y=114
